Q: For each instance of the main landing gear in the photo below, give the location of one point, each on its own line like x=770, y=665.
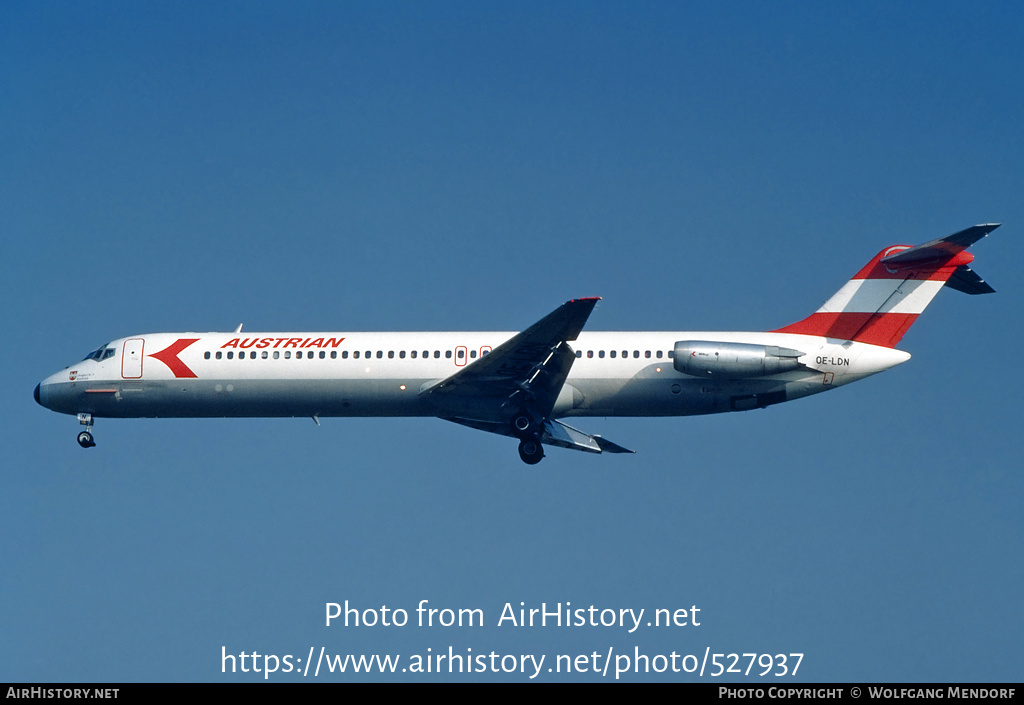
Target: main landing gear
x=522, y=424
x=525, y=428
x=85, y=437
x=531, y=451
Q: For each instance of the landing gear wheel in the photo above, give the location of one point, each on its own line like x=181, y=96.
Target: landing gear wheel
x=531, y=451
x=521, y=424
x=85, y=440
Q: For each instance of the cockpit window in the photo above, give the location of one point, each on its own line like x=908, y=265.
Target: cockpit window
x=100, y=354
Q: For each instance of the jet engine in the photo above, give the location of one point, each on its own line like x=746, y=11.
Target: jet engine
x=706, y=358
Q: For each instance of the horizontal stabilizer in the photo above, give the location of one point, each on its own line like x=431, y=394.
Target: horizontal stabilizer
x=880, y=303
x=963, y=277
x=967, y=280
x=943, y=248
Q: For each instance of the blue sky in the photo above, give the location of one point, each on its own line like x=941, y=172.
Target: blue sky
x=445, y=166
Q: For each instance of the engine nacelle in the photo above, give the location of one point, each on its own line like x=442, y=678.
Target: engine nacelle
x=705, y=358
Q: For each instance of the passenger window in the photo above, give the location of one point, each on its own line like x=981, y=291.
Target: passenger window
x=334, y=354
x=264, y=355
x=287, y=354
x=356, y=355
x=437, y=353
x=206, y=355
x=590, y=353
x=380, y=354
x=448, y=354
x=579, y=353
x=460, y=353
x=252, y=355
x=322, y=354
x=391, y=355
x=218, y=355
x=231, y=355
x=636, y=353
x=413, y=353
x=472, y=354
x=344, y=354
x=401, y=354
x=658, y=354
x=612, y=353
x=600, y=353
x=277, y=354
x=647, y=353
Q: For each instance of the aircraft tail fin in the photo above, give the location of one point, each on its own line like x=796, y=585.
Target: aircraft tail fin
x=884, y=298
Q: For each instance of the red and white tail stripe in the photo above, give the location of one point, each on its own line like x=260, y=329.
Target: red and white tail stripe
x=884, y=298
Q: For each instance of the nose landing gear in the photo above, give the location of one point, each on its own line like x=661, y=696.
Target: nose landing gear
x=85, y=437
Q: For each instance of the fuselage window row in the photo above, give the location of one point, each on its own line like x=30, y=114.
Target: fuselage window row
x=460, y=354
x=356, y=354
x=625, y=354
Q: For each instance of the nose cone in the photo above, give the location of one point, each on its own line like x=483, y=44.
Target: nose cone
x=59, y=394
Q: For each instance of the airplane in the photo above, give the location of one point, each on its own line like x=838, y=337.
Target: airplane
x=520, y=384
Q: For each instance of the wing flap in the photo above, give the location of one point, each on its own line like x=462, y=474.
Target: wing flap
x=559, y=434
x=555, y=433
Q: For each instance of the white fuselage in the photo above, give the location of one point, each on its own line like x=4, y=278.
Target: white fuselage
x=521, y=384
x=383, y=374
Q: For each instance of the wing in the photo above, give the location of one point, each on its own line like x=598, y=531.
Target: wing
x=512, y=391
x=554, y=433
x=526, y=372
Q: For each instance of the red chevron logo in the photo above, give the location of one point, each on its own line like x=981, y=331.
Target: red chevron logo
x=169, y=356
